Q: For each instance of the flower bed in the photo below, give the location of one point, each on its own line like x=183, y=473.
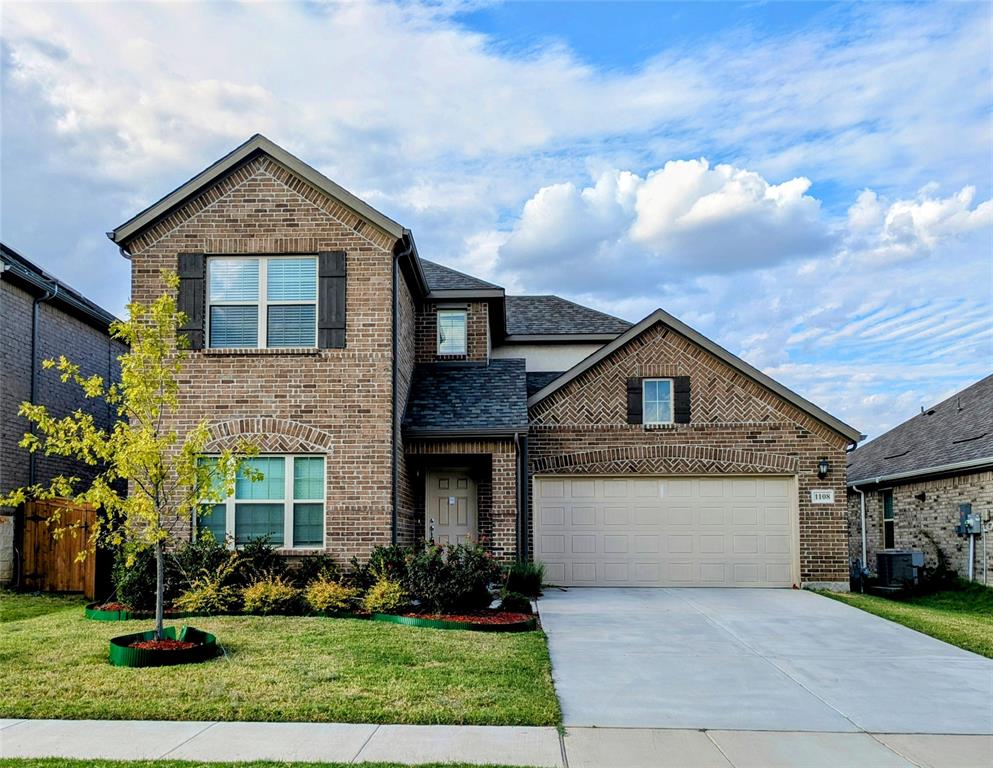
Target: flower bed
x=484, y=621
x=141, y=649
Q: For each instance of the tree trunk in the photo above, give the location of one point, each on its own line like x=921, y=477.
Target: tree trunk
x=159, y=590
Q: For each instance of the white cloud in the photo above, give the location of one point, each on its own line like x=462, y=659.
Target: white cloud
x=631, y=233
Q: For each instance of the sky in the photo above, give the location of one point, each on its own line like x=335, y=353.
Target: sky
x=808, y=184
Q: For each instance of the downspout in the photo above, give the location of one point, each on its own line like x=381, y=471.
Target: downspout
x=525, y=510
x=862, y=522
x=47, y=295
x=517, y=488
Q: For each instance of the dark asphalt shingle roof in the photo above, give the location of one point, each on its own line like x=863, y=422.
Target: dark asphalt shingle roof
x=441, y=278
x=553, y=315
x=540, y=379
x=956, y=430
x=454, y=397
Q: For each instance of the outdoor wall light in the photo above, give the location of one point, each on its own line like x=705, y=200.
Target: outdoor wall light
x=822, y=468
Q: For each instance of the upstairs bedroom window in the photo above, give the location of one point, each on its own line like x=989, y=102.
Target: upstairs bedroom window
x=451, y=332
x=262, y=301
x=287, y=504
x=657, y=401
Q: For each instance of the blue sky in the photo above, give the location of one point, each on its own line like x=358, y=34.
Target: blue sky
x=807, y=183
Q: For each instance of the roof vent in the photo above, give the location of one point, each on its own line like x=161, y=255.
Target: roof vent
x=897, y=455
x=969, y=439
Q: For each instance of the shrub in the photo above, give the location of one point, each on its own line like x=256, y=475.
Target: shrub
x=385, y=596
x=315, y=568
x=212, y=591
x=515, y=602
x=258, y=561
x=455, y=578
x=134, y=585
x=525, y=579
x=192, y=560
x=385, y=562
x=270, y=595
x=328, y=596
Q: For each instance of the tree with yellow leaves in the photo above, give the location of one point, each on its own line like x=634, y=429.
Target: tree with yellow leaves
x=167, y=477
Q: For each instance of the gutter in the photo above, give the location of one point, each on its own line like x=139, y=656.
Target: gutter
x=506, y=433
x=929, y=471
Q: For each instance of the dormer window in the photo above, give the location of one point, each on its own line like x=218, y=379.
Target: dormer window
x=262, y=301
x=451, y=332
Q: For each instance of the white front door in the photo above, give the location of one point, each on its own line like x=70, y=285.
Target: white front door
x=450, y=507
x=720, y=531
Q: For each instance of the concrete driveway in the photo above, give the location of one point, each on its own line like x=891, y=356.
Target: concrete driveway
x=751, y=659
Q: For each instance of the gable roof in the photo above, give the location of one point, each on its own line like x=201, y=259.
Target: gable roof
x=467, y=398
x=15, y=267
x=256, y=145
x=663, y=317
x=442, y=278
x=555, y=316
x=956, y=433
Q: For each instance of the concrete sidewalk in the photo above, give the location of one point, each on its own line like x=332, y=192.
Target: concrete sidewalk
x=415, y=744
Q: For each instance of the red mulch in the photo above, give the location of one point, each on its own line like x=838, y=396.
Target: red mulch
x=162, y=645
x=487, y=617
x=111, y=607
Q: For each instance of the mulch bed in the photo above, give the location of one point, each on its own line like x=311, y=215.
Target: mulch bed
x=486, y=617
x=162, y=645
x=110, y=607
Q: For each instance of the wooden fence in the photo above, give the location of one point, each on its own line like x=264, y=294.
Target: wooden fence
x=50, y=564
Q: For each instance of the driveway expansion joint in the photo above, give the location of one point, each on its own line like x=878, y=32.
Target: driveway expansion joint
x=186, y=741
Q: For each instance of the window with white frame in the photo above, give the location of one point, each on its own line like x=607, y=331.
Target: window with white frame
x=287, y=504
x=262, y=301
x=451, y=332
x=656, y=401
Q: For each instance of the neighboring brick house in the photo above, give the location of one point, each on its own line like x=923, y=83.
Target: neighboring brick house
x=43, y=318
x=915, y=479
x=395, y=399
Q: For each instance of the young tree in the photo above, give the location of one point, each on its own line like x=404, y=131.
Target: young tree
x=168, y=478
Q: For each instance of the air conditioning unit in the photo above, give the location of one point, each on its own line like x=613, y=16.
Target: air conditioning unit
x=898, y=568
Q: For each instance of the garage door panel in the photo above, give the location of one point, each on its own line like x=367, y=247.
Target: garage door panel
x=723, y=531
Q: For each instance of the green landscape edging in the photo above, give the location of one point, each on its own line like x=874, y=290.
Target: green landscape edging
x=414, y=621
x=91, y=612
x=121, y=655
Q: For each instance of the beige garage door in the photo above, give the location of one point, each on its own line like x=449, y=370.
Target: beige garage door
x=666, y=531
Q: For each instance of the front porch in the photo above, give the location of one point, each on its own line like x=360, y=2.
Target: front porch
x=464, y=489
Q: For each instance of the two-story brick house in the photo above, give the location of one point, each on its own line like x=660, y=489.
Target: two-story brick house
x=396, y=399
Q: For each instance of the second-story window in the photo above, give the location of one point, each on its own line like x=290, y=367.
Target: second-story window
x=657, y=401
x=451, y=332
x=262, y=301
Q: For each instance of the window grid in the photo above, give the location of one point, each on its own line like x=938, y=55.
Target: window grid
x=452, y=332
x=262, y=301
x=889, y=521
x=657, y=401
x=227, y=510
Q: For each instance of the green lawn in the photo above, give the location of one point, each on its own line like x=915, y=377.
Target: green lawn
x=53, y=663
x=57, y=762
x=962, y=617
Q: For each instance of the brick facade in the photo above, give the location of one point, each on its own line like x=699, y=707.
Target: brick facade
x=737, y=427
x=936, y=515
x=58, y=333
x=341, y=396
x=477, y=333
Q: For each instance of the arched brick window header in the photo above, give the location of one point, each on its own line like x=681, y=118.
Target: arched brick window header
x=270, y=435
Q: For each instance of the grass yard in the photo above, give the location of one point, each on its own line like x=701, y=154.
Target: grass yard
x=53, y=663
x=57, y=762
x=962, y=617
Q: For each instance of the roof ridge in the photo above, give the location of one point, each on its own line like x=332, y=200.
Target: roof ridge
x=567, y=301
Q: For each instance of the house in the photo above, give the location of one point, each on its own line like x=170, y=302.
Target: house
x=43, y=318
x=395, y=399
x=915, y=479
